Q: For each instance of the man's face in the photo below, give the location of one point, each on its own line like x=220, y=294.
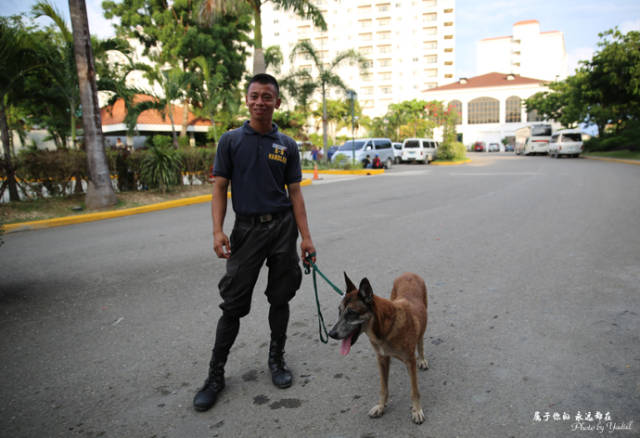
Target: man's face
x=262, y=100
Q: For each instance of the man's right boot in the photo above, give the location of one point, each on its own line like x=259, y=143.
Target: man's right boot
x=207, y=396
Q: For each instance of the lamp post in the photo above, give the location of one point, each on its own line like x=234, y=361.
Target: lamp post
x=352, y=95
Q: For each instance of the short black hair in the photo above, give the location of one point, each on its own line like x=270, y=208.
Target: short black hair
x=264, y=78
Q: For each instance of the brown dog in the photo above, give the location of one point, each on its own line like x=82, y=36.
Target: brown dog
x=395, y=328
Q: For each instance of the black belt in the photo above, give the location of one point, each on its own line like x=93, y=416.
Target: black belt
x=261, y=218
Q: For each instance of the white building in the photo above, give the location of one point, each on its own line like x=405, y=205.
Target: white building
x=490, y=105
x=410, y=45
x=528, y=52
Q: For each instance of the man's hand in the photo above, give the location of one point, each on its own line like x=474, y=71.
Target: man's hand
x=221, y=245
x=307, y=249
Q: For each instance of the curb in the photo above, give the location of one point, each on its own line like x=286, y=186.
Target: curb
x=449, y=163
x=347, y=172
x=613, y=160
x=91, y=217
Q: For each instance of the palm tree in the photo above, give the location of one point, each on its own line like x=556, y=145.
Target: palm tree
x=211, y=9
x=62, y=67
x=327, y=77
x=99, y=189
x=19, y=58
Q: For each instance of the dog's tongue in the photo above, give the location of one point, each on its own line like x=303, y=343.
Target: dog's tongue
x=345, y=348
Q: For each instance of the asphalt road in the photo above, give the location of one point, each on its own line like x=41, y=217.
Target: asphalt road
x=532, y=267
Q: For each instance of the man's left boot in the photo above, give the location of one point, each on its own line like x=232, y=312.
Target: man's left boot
x=280, y=374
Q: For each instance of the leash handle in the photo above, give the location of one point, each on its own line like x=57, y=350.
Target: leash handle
x=308, y=266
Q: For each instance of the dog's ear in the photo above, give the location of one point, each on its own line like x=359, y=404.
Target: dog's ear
x=350, y=285
x=365, y=291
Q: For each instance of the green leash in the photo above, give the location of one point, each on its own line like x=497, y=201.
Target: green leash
x=322, y=329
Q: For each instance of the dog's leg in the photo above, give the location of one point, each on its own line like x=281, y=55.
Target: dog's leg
x=383, y=365
x=416, y=410
x=423, y=363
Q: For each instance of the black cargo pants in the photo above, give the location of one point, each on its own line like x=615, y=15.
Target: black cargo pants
x=253, y=240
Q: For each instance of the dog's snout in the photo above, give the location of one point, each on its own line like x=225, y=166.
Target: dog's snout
x=333, y=333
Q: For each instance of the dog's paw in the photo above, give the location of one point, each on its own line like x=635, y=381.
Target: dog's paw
x=376, y=411
x=423, y=364
x=417, y=416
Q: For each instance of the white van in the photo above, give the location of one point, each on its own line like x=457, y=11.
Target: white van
x=366, y=149
x=566, y=142
x=419, y=149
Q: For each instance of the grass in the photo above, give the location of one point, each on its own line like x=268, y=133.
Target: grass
x=624, y=154
x=38, y=209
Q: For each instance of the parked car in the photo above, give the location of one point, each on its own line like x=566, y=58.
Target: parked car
x=508, y=147
x=478, y=146
x=494, y=147
x=566, y=142
x=367, y=147
x=419, y=149
x=397, y=152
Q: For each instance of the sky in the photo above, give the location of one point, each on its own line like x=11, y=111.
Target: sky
x=580, y=21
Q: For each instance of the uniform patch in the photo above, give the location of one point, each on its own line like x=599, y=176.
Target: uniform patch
x=279, y=153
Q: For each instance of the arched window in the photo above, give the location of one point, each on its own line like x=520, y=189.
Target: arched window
x=456, y=105
x=514, y=108
x=484, y=110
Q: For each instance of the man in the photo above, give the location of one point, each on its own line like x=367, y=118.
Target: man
x=258, y=160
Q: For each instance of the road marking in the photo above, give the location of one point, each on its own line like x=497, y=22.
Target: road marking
x=495, y=174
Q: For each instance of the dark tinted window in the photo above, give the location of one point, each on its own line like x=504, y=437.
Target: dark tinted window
x=352, y=145
x=383, y=144
x=572, y=137
x=541, y=130
x=411, y=144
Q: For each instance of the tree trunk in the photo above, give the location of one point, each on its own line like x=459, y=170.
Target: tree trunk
x=185, y=118
x=324, y=123
x=258, y=54
x=99, y=189
x=9, y=169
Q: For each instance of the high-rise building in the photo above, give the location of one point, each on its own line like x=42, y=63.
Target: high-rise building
x=409, y=45
x=528, y=52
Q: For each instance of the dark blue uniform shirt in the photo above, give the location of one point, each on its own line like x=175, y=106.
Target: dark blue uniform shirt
x=258, y=167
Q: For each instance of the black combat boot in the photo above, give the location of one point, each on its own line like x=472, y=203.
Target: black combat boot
x=280, y=374
x=207, y=396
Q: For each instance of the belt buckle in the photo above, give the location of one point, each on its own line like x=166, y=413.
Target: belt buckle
x=265, y=218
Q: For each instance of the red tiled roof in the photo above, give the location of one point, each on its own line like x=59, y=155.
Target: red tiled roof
x=496, y=38
x=526, y=22
x=488, y=80
x=114, y=114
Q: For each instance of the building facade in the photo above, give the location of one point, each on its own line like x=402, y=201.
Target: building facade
x=528, y=52
x=410, y=46
x=490, y=106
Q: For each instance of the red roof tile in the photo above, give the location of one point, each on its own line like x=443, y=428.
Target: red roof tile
x=488, y=80
x=114, y=114
x=526, y=22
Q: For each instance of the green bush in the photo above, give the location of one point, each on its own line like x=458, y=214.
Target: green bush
x=454, y=151
x=51, y=170
x=197, y=162
x=161, y=168
x=628, y=138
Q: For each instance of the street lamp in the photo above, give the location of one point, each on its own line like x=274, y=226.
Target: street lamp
x=352, y=95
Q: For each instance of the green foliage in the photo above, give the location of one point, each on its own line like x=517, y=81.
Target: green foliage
x=451, y=151
x=51, y=170
x=604, y=91
x=625, y=139
x=211, y=58
x=161, y=168
x=196, y=162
